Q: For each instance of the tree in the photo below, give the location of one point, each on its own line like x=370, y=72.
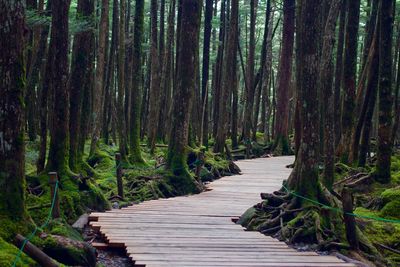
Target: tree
x=250, y=74
x=281, y=143
x=98, y=96
x=228, y=77
x=208, y=15
x=134, y=145
x=12, y=87
x=154, y=79
x=325, y=83
x=59, y=139
x=349, y=77
x=189, y=43
x=81, y=71
x=384, y=149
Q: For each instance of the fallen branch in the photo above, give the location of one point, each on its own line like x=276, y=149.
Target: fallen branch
x=388, y=248
x=34, y=252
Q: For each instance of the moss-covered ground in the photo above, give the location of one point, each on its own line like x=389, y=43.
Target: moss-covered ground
x=94, y=187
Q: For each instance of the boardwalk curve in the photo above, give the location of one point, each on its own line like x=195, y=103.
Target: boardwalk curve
x=198, y=230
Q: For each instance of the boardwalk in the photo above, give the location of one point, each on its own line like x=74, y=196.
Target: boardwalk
x=198, y=230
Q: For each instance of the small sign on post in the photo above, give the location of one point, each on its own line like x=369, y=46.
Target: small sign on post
x=56, y=207
x=119, y=175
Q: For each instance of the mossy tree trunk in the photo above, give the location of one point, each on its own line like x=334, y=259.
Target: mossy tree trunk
x=134, y=140
x=384, y=151
x=12, y=87
x=99, y=94
x=59, y=139
x=304, y=177
x=80, y=78
x=349, y=77
x=186, y=78
x=325, y=83
x=228, y=77
x=281, y=145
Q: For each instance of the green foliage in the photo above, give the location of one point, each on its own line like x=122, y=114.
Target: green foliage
x=8, y=253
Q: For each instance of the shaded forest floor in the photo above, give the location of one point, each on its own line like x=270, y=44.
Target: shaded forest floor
x=94, y=188
x=371, y=200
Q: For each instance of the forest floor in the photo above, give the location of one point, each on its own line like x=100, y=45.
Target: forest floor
x=377, y=214
x=95, y=189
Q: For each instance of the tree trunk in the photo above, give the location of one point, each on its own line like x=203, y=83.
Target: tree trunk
x=154, y=79
x=208, y=15
x=135, y=152
x=121, y=82
x=189, y=44
x=80, y=77
x=12, y=87
x=304, y=177
x=250, y=73
x=325, y=82
x=349, y=78
x=281, y=145
x=339, y=73
x=59, y=139
x=384, y=151
x=228, y=77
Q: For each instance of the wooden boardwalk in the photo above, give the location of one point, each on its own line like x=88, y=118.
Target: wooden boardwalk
x=198, y=230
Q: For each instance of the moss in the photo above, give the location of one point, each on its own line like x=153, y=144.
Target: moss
x=8, y=253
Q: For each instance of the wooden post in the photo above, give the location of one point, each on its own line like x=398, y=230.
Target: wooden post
x=119, y=175
x=349, y=220
x=34, y=252
x=53, y=181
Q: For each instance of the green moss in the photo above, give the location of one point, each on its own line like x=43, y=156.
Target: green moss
x=8, y=253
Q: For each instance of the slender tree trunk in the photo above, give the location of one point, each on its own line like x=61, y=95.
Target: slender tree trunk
x=228, y=77
x=208, y=15
x=349, y=77
x=12, y=87
x=382, y=173
x=80, y=77
x=46, y=69
x=135, y=155
x=154, y=80
x=339, y=73
x=250, y=73
x=326, y=80
x=121, y=82
x=98, y=101
x=284, y=77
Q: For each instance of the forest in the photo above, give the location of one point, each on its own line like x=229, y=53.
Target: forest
x=110, y=103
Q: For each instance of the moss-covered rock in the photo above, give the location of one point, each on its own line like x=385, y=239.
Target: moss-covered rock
x=68, y=251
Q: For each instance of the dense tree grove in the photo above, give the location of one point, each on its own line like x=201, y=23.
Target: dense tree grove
x=182, y=87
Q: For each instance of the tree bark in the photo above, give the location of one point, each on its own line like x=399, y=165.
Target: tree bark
x=281, y=145
x=189, y=44
x=384, y=151
x=12, y=87
x=98, y=97
x=59, y=139
x=228, y=77
x=349, y=78
x=135, y=152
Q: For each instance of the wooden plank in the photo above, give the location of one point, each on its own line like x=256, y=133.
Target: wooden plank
x=197, y=230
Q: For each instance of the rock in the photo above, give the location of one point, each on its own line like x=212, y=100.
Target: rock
x=69, y=252
x=81, y=222
x=115, y=205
